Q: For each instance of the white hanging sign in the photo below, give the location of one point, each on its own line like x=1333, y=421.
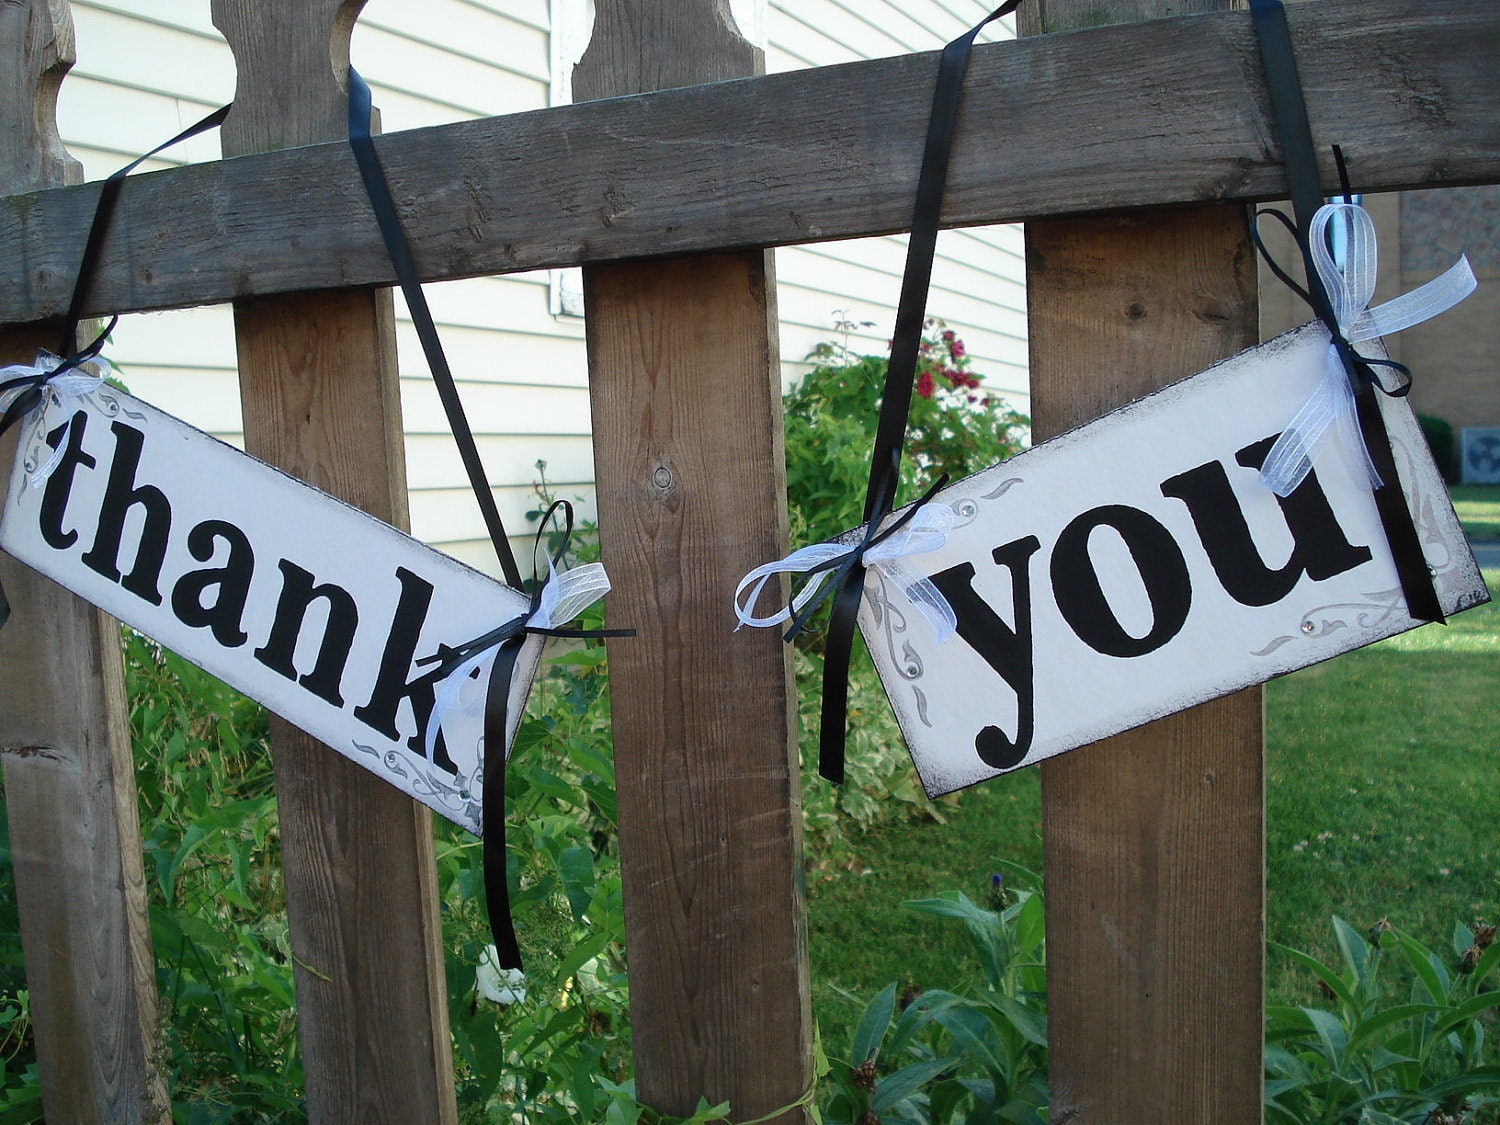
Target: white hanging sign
x=314, y=608
x=1137, y=566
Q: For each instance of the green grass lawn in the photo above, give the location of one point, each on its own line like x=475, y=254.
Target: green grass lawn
x=1383, y=800
x=1478, y=507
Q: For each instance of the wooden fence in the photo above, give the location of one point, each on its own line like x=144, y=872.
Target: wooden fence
x=1134, y=184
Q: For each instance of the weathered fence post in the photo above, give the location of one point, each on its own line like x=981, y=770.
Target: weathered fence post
x=319, y=391
x=69, y=787
x=1153, y=840
x=685, y=386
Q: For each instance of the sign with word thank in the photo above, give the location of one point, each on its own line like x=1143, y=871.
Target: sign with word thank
x=322, y=613
x=1137, y=565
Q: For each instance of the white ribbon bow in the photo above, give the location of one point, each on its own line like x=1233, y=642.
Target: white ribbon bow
x=566, y=594
x=925, y=532
x=1331, y=405
x=61, y=391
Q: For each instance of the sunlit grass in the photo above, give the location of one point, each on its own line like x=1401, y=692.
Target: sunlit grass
x=1478, y=507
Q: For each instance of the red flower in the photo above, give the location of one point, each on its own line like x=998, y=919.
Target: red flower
x=956, y=347
x=924, y=384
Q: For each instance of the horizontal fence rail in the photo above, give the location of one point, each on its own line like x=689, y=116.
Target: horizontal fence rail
x=1411, y=93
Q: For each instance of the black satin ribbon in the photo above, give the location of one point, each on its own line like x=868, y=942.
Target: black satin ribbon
x=507, y=641
x=1306, y=190
x=109, y=195
x=379, y=191
x=93, y=246
x=848, y=584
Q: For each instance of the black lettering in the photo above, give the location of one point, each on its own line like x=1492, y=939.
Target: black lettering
x=391, y=684
x=120, y=495
x=1319, y=547
x=224, y=616
x=297, y=594
x=1005, y=649
x=60, y=484
x=1082, y=601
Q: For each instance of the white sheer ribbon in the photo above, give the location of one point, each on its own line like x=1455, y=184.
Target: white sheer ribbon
x=925, y=532
x=1331, y=405
x=565, y=595
x=61, y=391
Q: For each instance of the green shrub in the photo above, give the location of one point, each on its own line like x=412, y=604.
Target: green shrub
x=1442, y=443
x=1401, y=1044
x=955, y=427
x=214, y=890
x=976, y=1053
x=1405, y=1051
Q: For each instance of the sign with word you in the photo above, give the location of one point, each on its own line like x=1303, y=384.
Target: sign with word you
x=309, y=606
x=1137, y=566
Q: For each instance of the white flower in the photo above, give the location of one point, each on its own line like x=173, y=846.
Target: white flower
x=502, y=986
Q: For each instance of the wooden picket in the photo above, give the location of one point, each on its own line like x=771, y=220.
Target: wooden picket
x=1153, y=845
x=320, y=399
x=691, y=476
x=64, y=739
x=1151, y=835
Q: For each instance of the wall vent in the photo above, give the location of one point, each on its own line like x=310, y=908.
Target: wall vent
x=1479, y=455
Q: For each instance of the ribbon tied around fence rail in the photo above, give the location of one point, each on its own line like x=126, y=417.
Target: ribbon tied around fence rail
x=923, y=529
x=1331, y=406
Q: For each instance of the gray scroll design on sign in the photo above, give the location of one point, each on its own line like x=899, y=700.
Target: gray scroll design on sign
x=891, y=614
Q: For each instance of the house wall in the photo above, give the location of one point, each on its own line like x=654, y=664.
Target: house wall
x=147, y=68
x=1455, y=357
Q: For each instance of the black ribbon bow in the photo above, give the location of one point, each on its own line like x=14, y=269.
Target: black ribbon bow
x=507, y=640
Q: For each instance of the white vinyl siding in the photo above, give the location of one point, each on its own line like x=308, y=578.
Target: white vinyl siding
x=148, y=68
x=978, y=282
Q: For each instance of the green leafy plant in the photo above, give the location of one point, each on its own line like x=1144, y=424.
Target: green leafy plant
x=1443, y=444
x=217, y=906
x=1405, y=1051
x=955, y=427
x=977, y=1053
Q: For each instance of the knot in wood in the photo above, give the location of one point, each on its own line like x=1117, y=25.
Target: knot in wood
x=662, y=480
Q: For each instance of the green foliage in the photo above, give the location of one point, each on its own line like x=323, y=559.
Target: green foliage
x=1403, y=1042
x=217, y=906
x=20, y=1088
x=1442, y=443
x=1379, y=789
x=880, y=785
x=977, y=1053
x=554, y=1047
x=1478, y=507
x=954, y=427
